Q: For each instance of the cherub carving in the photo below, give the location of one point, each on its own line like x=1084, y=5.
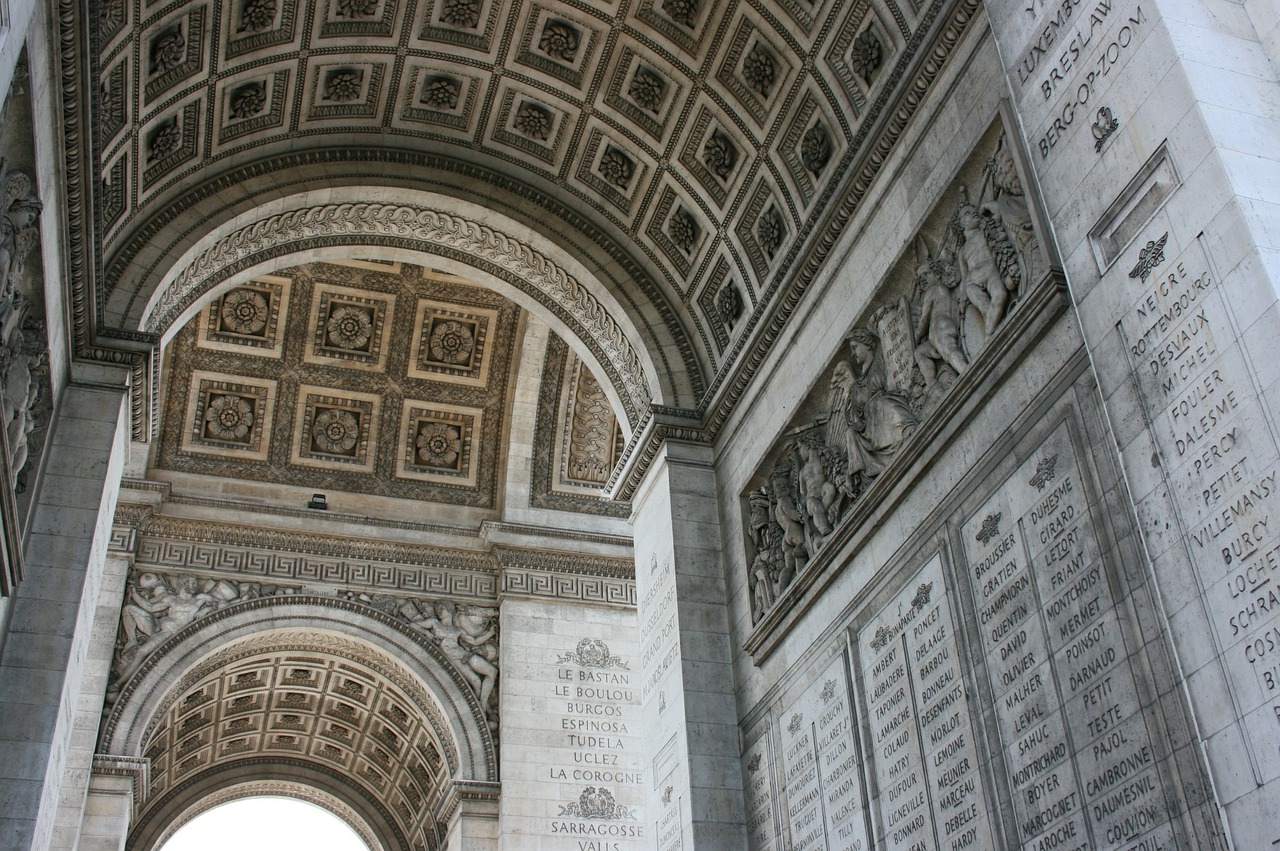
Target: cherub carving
x=19, y=400
x=937, y=327
x=984, y=286
x=817, y=494
x=795, y=553
x=154, y=612
x=19, y=221
x=766, y=572
x=463, y=638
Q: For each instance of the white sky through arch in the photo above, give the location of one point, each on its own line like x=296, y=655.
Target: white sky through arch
x=266, y=824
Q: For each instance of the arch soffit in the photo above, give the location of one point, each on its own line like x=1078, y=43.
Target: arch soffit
x=162, y=817
x=618, y=386
x=336, y=627
x=595, y=296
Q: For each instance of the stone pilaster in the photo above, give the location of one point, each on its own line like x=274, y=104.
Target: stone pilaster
x=1150, y=130
x=473, y=816
x=78, y=806
x=43, y=666
x=114, y=788
x=687, y=687
x=573, y=760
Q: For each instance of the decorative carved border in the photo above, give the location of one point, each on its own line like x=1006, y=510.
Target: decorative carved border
x=316, y=637
x=424, y=229
x=542, y=495
x=184, y=545
x=560, y=576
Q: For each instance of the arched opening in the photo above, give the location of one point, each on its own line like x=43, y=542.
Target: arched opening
x=338, y=702
x=257, y=821
x=345, y=438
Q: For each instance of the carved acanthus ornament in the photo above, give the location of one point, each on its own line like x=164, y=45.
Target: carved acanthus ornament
x=593, y=444
x=894, y=369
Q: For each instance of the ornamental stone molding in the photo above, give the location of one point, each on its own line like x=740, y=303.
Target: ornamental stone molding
x=419, y=228
x=229, y=551
x=416, y=666
x=559, y=576
x=856, y=78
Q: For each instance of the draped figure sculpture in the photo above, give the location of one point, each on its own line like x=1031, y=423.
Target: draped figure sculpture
x=866, y=418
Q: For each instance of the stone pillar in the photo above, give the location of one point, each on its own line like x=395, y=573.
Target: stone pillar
x=687, y=687
x=109, y=804
x=473, y=818
x=77, y=779
x=42, y=668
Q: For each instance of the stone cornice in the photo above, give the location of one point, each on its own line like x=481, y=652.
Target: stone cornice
x=476, y=795
x=157, y=541
x=136, y=768
x=661, y=424
x=562, y=576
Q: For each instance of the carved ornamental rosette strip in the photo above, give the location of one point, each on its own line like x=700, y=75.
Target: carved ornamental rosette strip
x=938, y=318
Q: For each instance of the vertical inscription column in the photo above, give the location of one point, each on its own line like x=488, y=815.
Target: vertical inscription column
x=821, y=765
x=1077, y=745
x=1221, y=462
x=689, y=703
x=762, y=794
x=572, y=765
x=920, y=732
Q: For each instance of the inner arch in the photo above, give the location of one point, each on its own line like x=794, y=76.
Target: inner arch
x=261, y=815
x=313, y=714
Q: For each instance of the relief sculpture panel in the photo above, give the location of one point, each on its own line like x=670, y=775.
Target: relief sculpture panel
x=969, y=269
x=1002, y=695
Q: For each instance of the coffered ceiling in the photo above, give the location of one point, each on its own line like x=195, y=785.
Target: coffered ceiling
x=300, y=707
x=365, y=377
x=695, y=145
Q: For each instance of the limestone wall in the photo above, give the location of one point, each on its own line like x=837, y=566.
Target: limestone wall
x=973, y=650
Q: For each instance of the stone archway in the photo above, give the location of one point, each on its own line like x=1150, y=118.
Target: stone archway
x=277, y=789
x=626, y=344
x=316, y=693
